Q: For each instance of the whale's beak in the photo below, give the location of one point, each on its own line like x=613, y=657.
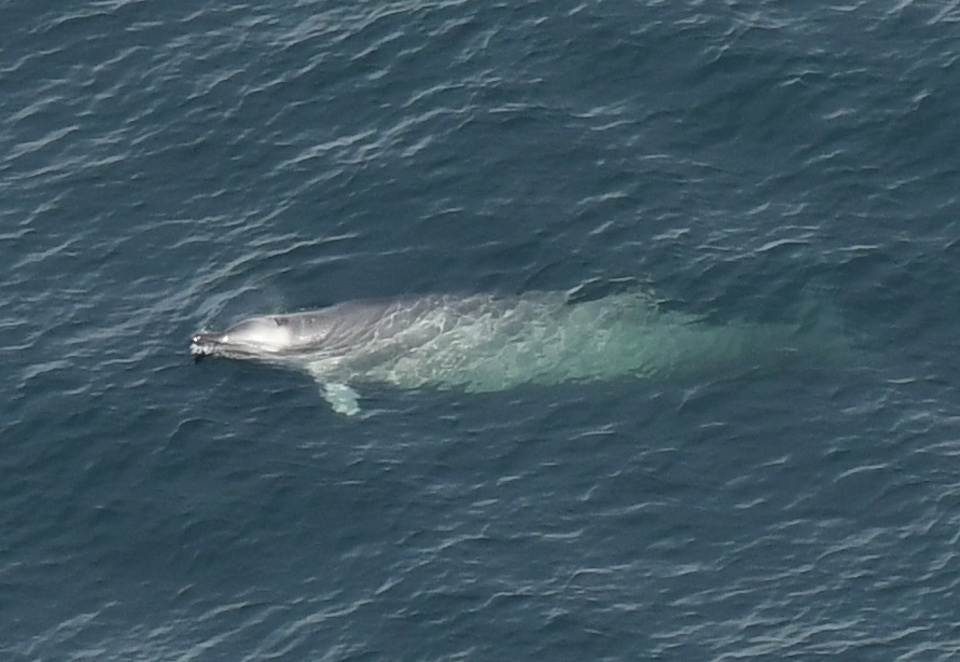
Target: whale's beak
x=200, y=346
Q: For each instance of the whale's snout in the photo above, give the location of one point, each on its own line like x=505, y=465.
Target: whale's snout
x=256, y=337
x=200, y=345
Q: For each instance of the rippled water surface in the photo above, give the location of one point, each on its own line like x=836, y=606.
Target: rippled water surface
x=167, y=167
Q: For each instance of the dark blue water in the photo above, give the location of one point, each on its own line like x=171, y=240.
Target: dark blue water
x=168, y=166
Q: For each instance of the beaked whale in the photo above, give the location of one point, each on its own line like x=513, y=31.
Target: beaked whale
x=486, y=342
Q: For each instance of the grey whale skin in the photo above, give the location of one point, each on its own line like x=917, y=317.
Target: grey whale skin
x=485, y=342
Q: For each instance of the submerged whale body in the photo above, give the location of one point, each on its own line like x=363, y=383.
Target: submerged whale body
x=486, y=342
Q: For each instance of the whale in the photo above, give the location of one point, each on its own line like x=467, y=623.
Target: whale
x=489, y=342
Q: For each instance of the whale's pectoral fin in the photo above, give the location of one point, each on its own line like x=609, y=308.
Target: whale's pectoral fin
x=342, y=398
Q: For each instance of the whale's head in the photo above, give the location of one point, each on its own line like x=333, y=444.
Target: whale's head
x=257, y=336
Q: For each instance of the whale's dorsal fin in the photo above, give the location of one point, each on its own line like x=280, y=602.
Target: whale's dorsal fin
x=342, y=398
x=598, y=288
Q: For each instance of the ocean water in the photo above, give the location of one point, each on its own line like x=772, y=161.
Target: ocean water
x=166, y=167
